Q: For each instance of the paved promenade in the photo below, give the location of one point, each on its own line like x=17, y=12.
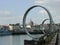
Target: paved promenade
x=53, y=40
x=59, y=39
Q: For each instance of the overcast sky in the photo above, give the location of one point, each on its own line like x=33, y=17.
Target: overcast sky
x=12, y=11
x=53, y=6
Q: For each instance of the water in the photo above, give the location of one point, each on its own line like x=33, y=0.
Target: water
x=15, y=40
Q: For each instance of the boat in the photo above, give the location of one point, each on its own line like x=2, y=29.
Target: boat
x=4, y=32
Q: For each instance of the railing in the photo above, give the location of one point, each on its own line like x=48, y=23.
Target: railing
x=57, y=38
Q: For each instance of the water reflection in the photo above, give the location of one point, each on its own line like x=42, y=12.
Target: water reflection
x=14, y=40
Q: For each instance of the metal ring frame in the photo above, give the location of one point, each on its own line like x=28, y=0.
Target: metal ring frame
x=44, y=21
x=43, y=24
x=24, y=20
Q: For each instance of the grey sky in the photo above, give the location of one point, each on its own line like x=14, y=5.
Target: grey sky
x=12, y=11
x=53, y=6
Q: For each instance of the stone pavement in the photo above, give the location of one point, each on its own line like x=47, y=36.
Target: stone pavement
x=53, y=40
x=59, y=39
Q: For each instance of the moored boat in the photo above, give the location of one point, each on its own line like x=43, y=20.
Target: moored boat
x=4, y=32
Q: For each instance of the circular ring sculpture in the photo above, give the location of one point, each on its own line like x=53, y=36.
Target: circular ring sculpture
x=44, y=21
x=24, y=20
x=43, y=24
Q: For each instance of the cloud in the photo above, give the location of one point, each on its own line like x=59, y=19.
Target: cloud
x=41, y=1
x=2, y=12
x=42, y=12
x=11, y=19
x=52, y=5
x=7, y=16
x=57, y=0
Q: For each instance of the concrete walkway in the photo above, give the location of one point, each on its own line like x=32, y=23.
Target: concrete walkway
x=53, y=40
x=59, y=39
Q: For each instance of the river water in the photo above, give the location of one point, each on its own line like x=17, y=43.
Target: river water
x=15, y=39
